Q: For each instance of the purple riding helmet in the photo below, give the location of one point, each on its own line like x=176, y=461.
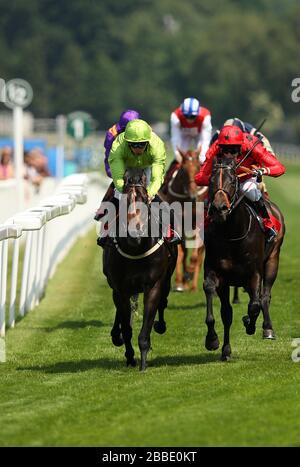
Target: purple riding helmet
x=113, y=132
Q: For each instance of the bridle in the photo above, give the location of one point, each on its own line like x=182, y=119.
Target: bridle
x=158, y=244
x=231, y=201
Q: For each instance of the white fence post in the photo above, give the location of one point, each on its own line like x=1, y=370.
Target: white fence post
x=6, y=232
x=45, y=244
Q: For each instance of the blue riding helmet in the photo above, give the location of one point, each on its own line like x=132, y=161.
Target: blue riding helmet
x=190, y=106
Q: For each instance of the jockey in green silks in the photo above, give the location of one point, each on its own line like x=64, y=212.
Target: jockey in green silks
x=137, y=147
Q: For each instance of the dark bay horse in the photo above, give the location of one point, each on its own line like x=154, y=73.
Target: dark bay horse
x=182, y=188
x=138, y=263
x=237, y=255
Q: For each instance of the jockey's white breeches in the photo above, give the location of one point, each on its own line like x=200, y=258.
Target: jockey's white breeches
x=251, y=190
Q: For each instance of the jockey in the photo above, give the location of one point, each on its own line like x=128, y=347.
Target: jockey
x=114, y=131
x=233, y=141
x=138, y=147
x=190, y=129
x=110, y=136
x=246, y=128
x=251, y=130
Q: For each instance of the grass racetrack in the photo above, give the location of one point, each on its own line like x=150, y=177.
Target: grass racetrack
x=65, y=384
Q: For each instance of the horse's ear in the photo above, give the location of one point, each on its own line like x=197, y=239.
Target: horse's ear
x=183, y=154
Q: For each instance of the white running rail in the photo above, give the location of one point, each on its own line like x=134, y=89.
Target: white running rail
x=48, y=231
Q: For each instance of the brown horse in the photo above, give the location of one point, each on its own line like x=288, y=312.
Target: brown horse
x=182, y=188
x=138, y=263
x=237, y=255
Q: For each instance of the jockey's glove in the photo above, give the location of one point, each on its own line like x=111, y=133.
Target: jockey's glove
x=258, y=173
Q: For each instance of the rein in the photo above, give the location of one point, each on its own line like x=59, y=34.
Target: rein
x=151, y=250
x=233, y=204
x=173, y=193
x=180, y=195
x=141, y=256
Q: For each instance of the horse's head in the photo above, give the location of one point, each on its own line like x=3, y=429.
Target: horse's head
x=190, y=166
x=223, y=188
x=135, y=187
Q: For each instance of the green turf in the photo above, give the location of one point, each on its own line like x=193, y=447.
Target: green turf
x=64, y=384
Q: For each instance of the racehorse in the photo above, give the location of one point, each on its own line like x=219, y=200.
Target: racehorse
x=138, y=263
x=237, y=255
x=182, y=188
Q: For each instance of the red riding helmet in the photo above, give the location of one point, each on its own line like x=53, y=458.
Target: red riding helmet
x=230, y=135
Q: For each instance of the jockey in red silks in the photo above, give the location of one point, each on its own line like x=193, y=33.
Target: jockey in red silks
x=190, y=129
x=233, y=141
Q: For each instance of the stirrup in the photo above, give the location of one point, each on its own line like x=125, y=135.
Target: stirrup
x=176, y=239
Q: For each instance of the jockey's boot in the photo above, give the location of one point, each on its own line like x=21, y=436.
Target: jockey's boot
x=104, y=239
x=107, y=197
x=173, y=236
x=268, y=224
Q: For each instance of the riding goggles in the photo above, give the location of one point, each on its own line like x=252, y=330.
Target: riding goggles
x=191, y=117
x=230, y=149
x=138, y=145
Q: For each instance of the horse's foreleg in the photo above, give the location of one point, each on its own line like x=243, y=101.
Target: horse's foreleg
x=209, y=286
x=160, y=325
x=254, y=290
x=123, y=306
x=200, y=256
x=235, y=295
x=226, y=315
x=151, y=302
x=115, y=333
x=178, y=272
x=270, y=274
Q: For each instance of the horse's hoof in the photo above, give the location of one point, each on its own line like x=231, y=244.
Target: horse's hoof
x=159, y=327
x=131, y=362
x=117, y=340
x=250, y=329
x=268, y=334
x=143, y=367
x=225, y=358
x=236, y=301
x=212, y=344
